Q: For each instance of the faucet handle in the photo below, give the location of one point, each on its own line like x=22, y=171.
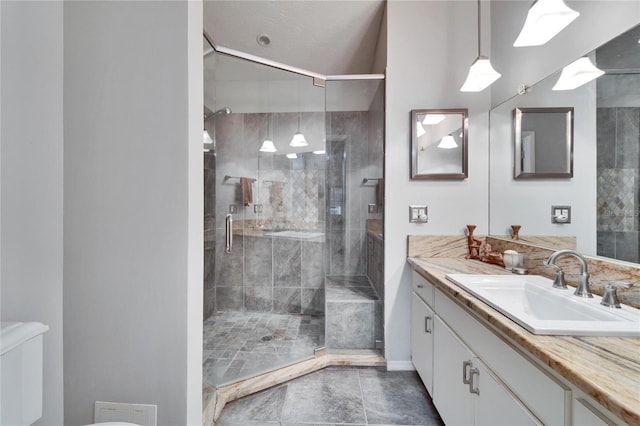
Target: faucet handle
x=610, y=297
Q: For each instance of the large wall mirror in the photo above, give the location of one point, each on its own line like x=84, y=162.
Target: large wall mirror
x=604, y=192
x=543, y=143
x=439, y=143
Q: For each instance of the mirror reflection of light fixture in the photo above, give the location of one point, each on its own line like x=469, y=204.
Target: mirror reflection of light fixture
x=433, y=119
x=481, y=73
x=576, y=74
x=420, y=129
x=320, y=152
x=292, y=155
x=448, y=142
x=545, y=19
x=267, y=144
x=207, y=141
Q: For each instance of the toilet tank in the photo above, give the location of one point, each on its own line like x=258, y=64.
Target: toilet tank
x=21, y=372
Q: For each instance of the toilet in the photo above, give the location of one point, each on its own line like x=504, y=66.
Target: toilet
x=21, y=363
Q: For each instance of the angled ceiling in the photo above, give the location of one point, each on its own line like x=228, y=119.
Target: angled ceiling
x=329, y=37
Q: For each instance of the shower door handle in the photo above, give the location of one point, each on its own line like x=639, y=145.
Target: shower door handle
x=229, y=233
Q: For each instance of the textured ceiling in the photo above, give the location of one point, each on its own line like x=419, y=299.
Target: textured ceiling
x=324, y=36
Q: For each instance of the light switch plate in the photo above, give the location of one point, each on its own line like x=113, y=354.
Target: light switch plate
x=233, y=208
x=258, y=208
x=418, y=214
x=372, y=208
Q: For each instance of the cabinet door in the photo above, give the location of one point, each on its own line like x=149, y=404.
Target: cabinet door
x=450, y=395
x=422, y=340
x=494, y=404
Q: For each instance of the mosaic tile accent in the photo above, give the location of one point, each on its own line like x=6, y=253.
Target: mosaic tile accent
x=617, y=199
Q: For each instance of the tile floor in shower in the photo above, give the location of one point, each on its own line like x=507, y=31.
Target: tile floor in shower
x=238, y=345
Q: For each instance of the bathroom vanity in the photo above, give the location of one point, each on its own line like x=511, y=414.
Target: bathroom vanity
x=482, y=368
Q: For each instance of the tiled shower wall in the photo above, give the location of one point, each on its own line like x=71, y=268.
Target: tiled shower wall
x=265, y=273
x=287, y=275
x=618, y=175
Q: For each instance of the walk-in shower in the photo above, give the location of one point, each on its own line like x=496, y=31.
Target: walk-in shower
x=305, y=268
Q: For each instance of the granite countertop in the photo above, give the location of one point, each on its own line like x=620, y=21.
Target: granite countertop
x=605, y=368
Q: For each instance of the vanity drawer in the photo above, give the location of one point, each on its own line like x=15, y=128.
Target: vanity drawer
x=423, y=288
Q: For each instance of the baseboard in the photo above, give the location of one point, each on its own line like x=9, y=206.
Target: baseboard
x=400, y=366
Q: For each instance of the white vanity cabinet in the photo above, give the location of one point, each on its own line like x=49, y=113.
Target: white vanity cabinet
x=467, y=392
x=473, y=376
x=422, y=318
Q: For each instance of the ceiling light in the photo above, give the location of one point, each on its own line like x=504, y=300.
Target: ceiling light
x=320, y=152
x=576, y=74
x=420, y=129
x=448, y=143
x=545, y=19
x=268, y=146
x=292, y=155
x=263, y=40
x=433, y=118
x=481, y=73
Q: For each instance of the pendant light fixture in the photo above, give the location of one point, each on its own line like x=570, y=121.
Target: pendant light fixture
x=419, y=129
x=267, y=144
x=298, y=139
x=576, y=74
x=545, y=19
x=292, y=155
x=448, y=142
x=481, y=74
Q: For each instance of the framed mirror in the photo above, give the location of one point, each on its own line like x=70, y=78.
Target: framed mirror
x=543, y=143
x=439, y=143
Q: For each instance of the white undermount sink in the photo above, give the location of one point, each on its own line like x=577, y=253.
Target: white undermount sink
x=532, y=302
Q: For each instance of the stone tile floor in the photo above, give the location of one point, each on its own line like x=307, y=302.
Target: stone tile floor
x=238, y=345
x=338, y=396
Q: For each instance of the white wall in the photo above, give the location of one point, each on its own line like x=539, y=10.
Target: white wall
x=133, y=207
x=31, y=178
x=431, y=45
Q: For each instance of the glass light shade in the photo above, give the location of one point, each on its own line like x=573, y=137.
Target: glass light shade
x=420, y=129
x=298, y=140
x=545, y=19
x=320, y=152
x=481, y=75
x=433, y=118
x=292, y=155
x=448, y=143
x=576, y=74
x=268, y=146
x=206, y=138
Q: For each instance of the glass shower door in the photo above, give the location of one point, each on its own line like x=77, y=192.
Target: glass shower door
x=264, y=296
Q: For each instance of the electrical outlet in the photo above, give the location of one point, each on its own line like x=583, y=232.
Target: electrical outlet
x=418, y=214
x=561, y=214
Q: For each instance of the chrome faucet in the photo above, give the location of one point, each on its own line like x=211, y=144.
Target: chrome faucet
x=583, y=289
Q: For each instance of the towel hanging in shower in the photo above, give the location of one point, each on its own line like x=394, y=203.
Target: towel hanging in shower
x=246, y=191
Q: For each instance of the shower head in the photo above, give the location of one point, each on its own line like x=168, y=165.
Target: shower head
x=221, y=111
